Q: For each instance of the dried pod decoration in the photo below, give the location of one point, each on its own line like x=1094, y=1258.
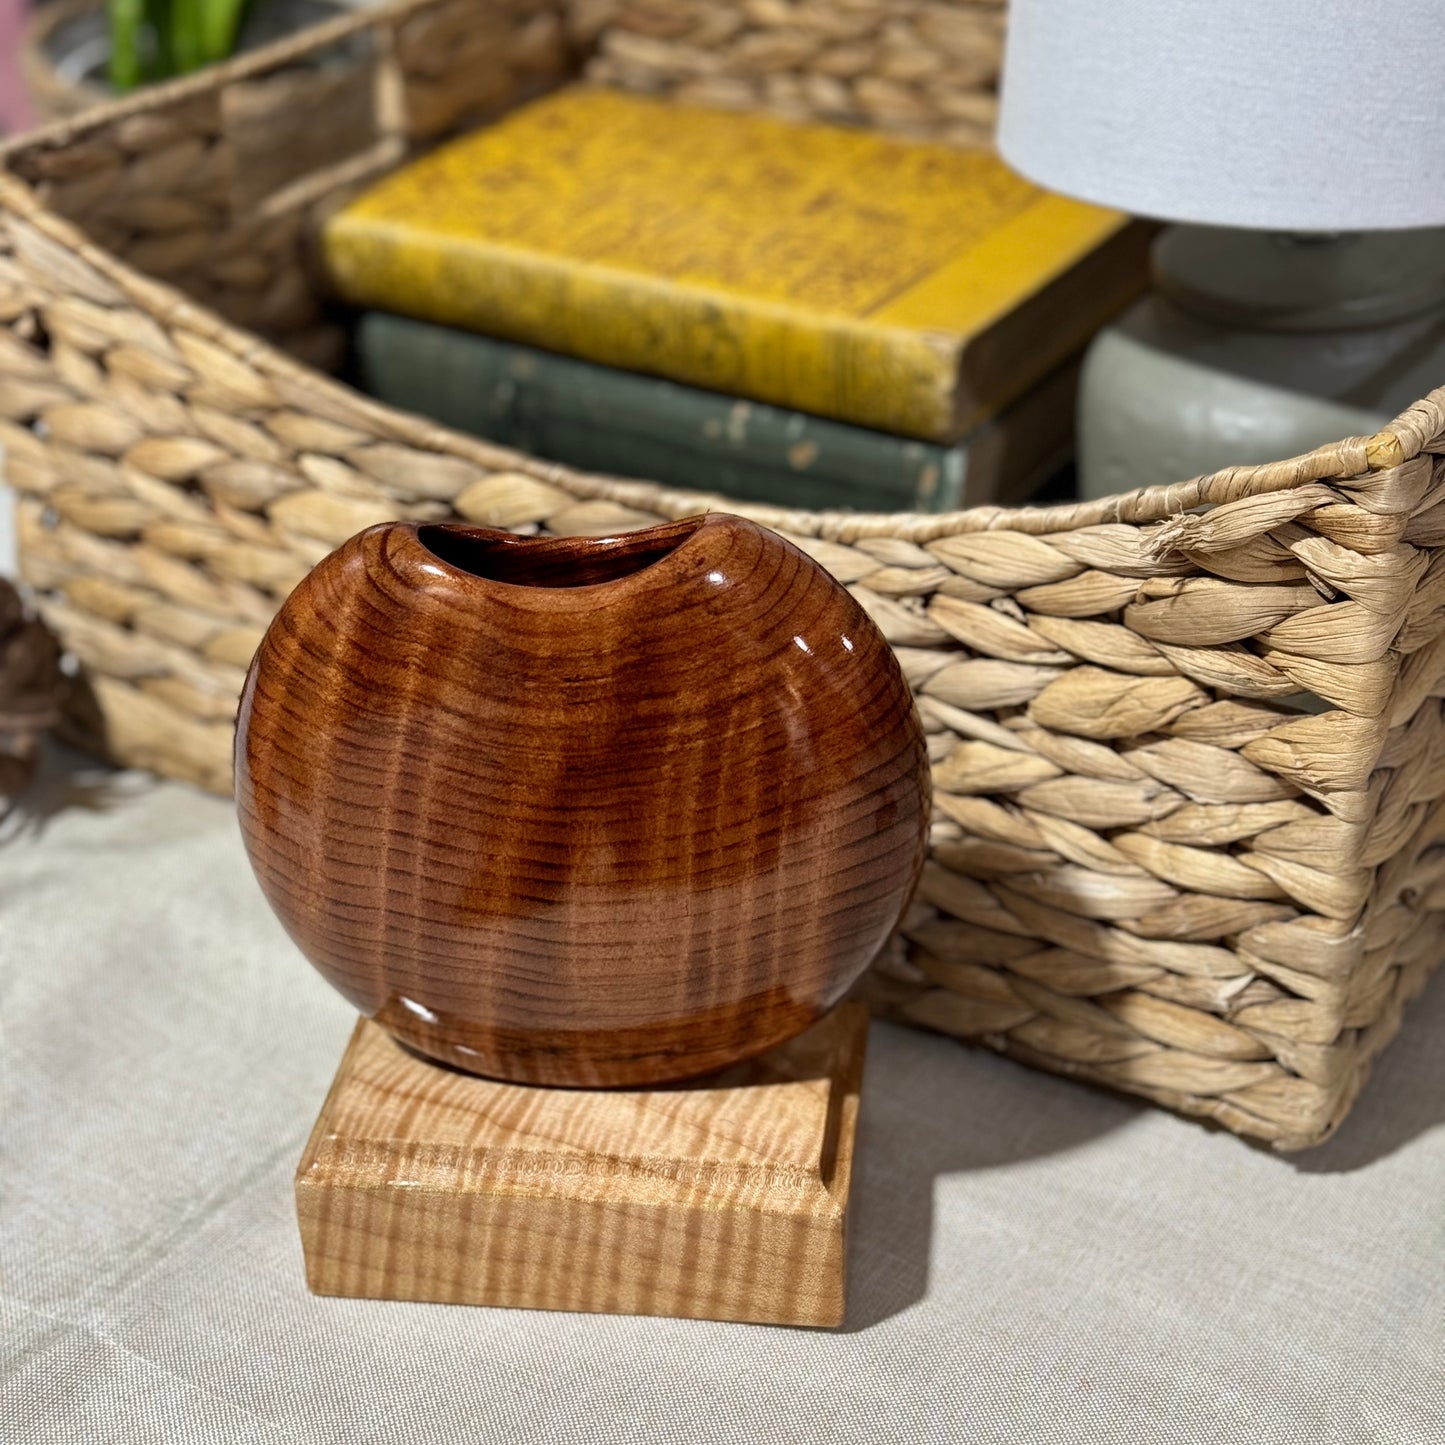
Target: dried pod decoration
x=30, y=691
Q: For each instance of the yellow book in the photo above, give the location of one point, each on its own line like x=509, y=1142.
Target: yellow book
x=911, y=287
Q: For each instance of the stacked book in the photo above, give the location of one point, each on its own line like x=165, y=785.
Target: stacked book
x=800, y=314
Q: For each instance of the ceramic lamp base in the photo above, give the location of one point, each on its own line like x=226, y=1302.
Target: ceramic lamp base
x=1256, y=346
x=723, y=1199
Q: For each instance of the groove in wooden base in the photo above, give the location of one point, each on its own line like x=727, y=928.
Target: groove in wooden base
x=722, y=1199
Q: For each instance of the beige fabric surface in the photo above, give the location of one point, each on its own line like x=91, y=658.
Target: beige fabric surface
x=1030, y=1260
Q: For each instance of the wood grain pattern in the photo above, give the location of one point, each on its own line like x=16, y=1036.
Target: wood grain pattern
x=724, y=1200
x=582, y=811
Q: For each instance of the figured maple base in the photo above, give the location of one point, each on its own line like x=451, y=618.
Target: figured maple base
x=722, y=1199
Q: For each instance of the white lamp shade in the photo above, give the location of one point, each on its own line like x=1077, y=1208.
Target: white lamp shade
x=1295, y=115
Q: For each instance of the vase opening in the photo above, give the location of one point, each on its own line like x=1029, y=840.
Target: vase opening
x=554, y=561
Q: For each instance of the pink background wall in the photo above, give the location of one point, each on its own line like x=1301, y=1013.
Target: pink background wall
x=14, y=112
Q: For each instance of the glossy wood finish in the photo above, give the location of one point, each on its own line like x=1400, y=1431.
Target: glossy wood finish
x=585, y=811
x=724, y=1200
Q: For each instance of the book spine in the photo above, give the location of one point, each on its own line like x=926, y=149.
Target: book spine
x=889, y=378
x=626, y=424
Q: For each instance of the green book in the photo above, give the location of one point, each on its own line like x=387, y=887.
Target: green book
x=625, y=424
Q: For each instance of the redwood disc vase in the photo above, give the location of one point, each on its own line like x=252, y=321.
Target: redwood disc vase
x=582, y=811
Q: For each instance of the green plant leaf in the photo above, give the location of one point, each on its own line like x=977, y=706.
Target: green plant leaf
x=220, y=23
x=186, y=35
x=127, y=17
x=155, y=39
x=159, y=64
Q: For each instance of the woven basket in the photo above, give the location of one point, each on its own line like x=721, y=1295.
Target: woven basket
x=1186, y=742
x=52, y=95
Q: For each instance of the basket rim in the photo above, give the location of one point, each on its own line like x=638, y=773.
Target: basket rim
x=1399, y=441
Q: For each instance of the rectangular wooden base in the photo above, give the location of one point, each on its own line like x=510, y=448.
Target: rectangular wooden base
x=723, y=1199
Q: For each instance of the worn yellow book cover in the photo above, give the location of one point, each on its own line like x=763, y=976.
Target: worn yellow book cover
x=912, y=287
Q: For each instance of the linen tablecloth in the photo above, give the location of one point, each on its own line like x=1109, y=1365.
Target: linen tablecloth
x=1031, y=1260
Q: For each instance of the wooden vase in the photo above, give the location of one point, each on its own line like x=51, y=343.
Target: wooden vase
x=582, y=811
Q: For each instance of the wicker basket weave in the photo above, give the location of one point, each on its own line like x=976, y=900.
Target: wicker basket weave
x=1188, y=837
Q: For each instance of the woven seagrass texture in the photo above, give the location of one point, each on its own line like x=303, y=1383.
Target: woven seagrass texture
x=924, y=69
x=51, y=94
x=1188, y=837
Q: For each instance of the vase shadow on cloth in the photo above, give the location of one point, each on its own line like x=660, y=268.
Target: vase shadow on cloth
x=1403, y=1098
x=932, y=1108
